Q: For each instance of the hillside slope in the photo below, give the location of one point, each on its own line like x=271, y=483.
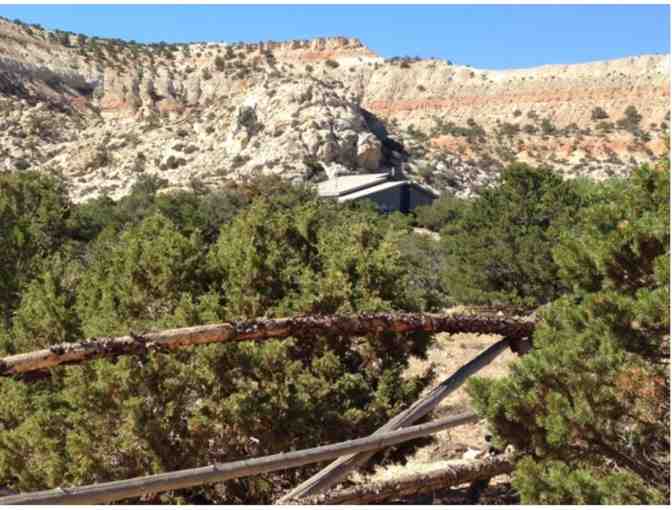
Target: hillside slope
x=101, y=112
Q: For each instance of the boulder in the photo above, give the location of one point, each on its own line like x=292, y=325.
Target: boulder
x=369, y=151
x=336, y=169
x=471, y=454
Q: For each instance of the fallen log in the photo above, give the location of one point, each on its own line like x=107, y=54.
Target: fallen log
x=340, y=468
x=412, y=484
x=258, y=330
x=123, y=489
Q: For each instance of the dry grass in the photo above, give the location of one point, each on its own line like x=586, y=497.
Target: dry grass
x=448, y=354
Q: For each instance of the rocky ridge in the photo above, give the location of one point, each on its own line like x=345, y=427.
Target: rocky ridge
x=101, y=112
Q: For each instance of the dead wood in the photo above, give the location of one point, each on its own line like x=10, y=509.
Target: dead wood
x=340, y=468
x=413, y=484
x=123, y=489
x=36, y=362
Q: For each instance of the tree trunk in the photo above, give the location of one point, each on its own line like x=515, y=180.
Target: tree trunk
x=412, y=484
x=259, y=330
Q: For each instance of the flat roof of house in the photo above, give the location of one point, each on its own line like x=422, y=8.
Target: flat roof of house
x=383, y=186
x=342, y=185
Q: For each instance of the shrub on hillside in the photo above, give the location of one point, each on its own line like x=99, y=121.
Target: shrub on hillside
x=547, y=127
x=599, y=113
x=21, y=164
x=509, y=129
x=220, y=65
x=630, y=120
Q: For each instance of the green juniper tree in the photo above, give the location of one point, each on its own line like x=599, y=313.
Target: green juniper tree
x=441, y=212
x=588, y=408
x=498, y=249
x=116, y=419
x=34, y=211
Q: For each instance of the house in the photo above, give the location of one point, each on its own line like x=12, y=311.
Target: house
x=389, y=194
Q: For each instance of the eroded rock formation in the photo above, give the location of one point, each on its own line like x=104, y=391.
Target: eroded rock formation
x=103, y=112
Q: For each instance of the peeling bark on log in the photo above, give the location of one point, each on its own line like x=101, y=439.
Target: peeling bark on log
x=259, y=330
x=340, y=468
x=122, y=489
x=412, y=484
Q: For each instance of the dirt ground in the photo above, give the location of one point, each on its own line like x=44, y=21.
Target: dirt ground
x=448, y=354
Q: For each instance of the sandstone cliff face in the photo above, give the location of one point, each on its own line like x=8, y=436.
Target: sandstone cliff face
x=103, y=112
x=563, y=93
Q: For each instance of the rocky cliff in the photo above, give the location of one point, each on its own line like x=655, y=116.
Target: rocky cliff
x=101, y=112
